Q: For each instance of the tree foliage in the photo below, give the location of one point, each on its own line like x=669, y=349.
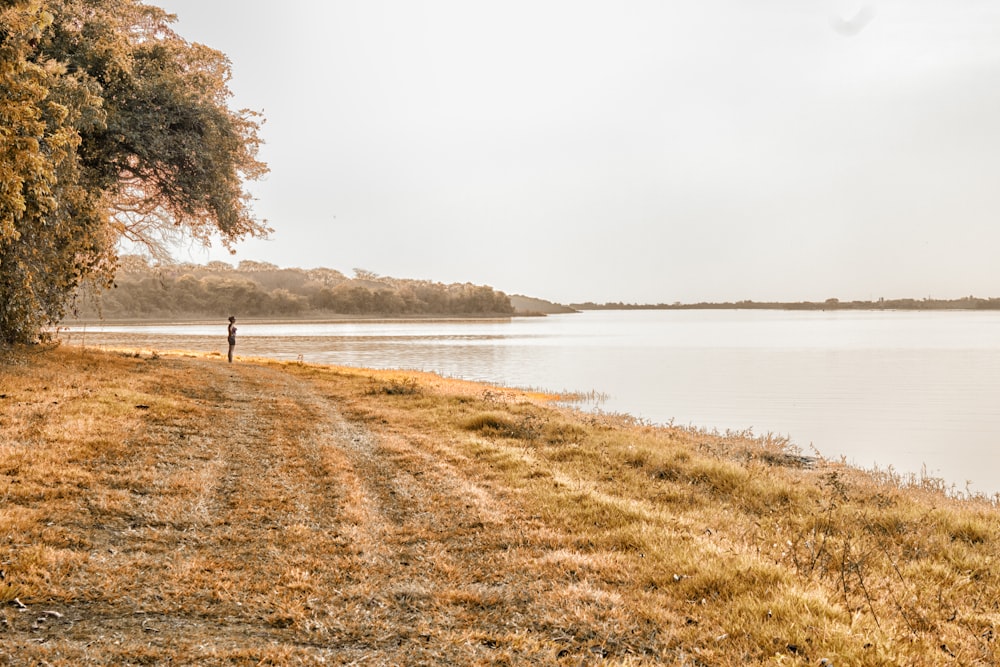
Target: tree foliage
x=259, y=289
x=111, y=126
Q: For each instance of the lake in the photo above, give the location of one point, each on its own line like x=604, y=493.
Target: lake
x=913, y=391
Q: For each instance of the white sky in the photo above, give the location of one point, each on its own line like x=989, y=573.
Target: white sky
x=632, y=150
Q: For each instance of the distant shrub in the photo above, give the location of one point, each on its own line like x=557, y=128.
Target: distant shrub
x=406, y=386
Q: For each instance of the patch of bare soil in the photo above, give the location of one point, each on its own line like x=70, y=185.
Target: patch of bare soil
x=255, y=525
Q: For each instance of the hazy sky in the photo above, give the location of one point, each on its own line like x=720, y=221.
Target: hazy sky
x=643, y=151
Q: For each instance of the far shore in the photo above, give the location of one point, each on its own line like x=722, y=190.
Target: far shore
x=922, y=305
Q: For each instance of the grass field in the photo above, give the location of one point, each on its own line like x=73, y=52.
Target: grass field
x=176, y=509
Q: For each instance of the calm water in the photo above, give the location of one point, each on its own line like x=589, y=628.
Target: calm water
x=914, y=391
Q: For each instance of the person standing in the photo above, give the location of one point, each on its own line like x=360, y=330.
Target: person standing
x=231, y=332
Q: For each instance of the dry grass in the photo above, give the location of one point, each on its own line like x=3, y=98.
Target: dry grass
x=177, y=510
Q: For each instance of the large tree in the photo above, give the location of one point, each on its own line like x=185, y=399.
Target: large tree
x=111, y=126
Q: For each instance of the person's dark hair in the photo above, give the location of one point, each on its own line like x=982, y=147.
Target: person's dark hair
x=232, y=318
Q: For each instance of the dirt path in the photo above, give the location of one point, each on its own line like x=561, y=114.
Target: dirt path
x=263, y=528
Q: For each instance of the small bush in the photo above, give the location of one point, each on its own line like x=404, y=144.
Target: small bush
x=556, y=433
x=970, y=531
x=405, y=386
x=491, y=423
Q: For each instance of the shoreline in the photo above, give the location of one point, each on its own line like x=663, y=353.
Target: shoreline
x=581, y=400
x=521, y=358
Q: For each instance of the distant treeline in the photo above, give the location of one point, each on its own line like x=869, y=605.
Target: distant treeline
x=965, y=303
x=260, y=289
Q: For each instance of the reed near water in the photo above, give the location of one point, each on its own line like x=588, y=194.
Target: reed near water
x=174, y=509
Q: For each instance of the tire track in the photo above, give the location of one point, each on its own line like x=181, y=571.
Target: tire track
x=257, y=524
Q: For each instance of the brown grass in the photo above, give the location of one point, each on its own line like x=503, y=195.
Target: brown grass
x=173, y=509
